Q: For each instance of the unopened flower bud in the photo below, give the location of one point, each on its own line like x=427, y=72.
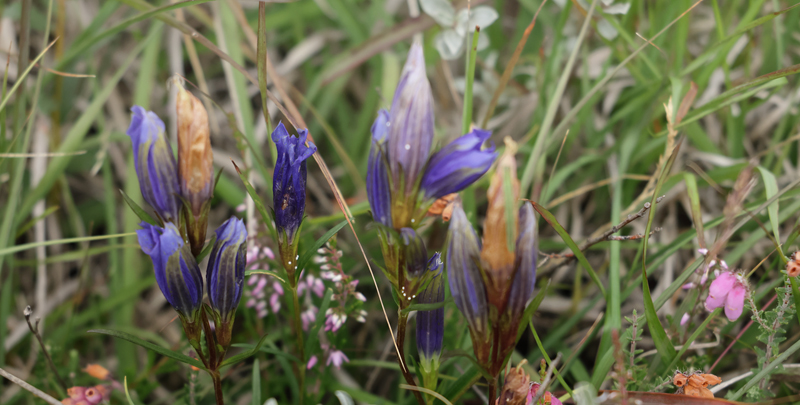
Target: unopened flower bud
x=155, y=163
x=195, y=165
x=225, y=275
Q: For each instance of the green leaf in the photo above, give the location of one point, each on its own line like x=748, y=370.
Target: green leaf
x=771, y=189
x=147, y=345
x=313, y=334
x=127, y=394
x=139, y=211
x=267, y=272
x=468, y=378
x=241, y=356
x=266, y=218
x=531, y=309
x=694, y=199
x=570, y=243
x=766, y=370
x=28, y=225
x=795, y=296
x=662, y=342
x=309, y=253
x=427, y=307
x=256, y=383
x=700, y=329
x=466, y=118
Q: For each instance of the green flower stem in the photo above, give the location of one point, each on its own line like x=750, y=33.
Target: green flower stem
x=217, y=387
x=297, y=327
x=402, y=321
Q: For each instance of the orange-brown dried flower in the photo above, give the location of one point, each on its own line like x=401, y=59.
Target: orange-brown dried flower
x=695, y=384
x=97, y=371
x=516, y=387
x=443, y=206
x=496, y=257
x=793, y=266
x=195, y=159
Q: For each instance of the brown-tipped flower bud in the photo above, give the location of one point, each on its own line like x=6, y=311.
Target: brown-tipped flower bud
x=497, y=254
x=195, y=165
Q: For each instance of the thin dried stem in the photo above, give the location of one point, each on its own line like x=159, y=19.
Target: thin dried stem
x=33, y=390
x=35, y=330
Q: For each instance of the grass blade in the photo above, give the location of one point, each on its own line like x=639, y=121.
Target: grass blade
x=147, y=345
x=551, y=219
x=660, y=339
x=241, y=356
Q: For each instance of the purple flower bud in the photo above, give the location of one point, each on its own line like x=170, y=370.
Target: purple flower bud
x=464, y=273
x=458, y=164
x=411, y=123
x=524, y=282
x=177, y=273
x=225, y=271
x=430, y=324
x=415, y=255
x=289, y=181
x=378, y=188
x=155, y=163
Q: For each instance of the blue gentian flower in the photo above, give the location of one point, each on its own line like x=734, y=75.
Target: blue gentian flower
x=177, y=273
x=466, y=280
x=458, y=164
x=415, y=254
x=378, y=187
x=430, y=324
x=289, y=190
x=403, y=179
x=289, y=181
x=410, y=123
x=225, y=271
x=225, y=276
x=155, y=163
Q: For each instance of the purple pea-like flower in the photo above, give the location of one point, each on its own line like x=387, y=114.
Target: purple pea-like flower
x=378, y=188
x=225, y=271
x=177, y=273
x=464, y=273
x=289, y=182
x=410, y=123
x=155, y=163
x=430, y=324
x=458, y=164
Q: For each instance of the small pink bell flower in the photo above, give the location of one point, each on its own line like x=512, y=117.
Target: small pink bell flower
x=728, y=290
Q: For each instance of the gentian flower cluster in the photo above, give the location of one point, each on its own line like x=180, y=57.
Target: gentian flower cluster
x=179, y=192
x=492, y=284
x=404, y=179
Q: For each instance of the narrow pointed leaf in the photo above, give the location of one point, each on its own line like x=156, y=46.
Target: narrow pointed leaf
x=151, y=346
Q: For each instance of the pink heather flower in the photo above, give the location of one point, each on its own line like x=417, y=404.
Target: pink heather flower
x=241, y=207
x=727, y=290
x=334, y=320
x=688, y=286
x=702, y=251
x=704, y=278
x=361, y=316
x=275, y=303
x=723, y=264
x=684, y=319
x=545, y=399
x=360, y=297
x=308, y=317
x=311, y=362
x=337, y=357
x=86, y=395
x=263, y=293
